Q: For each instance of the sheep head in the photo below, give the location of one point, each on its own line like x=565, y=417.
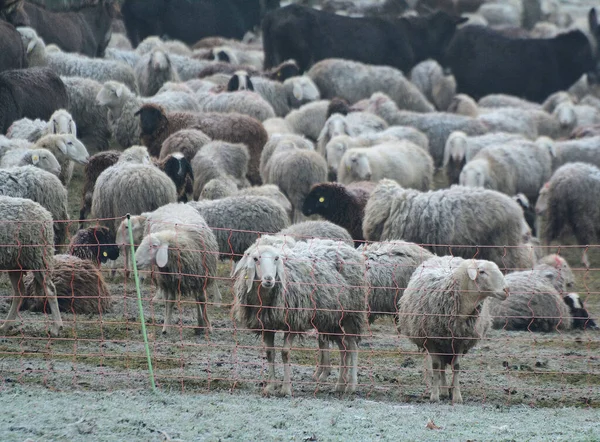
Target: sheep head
x=154, y=250
x=152, y=118
x=334, y=151
x=285, y=70
x=301, y=90
x=478, y=279
x=159, y=61
x=321, y=197
x=475, y=174
x=263, y=263
x=456, y=147
x=581, y=317
x=44, y=159
x=112, y=94
x=358, y=165
x=66, y=144
x=135, y=154
x=61, y=122
x=240, y=81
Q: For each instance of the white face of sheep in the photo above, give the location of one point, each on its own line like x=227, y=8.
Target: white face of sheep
x=484, y=278
x=152, y=251
x=137, y=229
x=110, y=94
x=71, y=147
x=159, y=61
x=357, y=164
x=62, y=123
x=44, y=159
x=335, y=150
x=473, y=174
x=304, y=90
x=565, y=114
x=335, y=125
x=29, y=38
x=264, y=264
x=456, y=147
x=541, y=204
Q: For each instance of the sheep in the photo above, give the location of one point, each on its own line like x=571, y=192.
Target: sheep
x=568, y=200
x=571, y=115
x=461, y=148
x=95, y=244
x=29, y=243
x=152, y=71
x=130, y=188
x=437, y=87
x=42, y=187
x=309, y=119
x=309, y=230
x=389, y=267
x=130, y=58
x=91, y=118
x=283, y=97
x=269, y=191
x=186, y=256
x=281, y=143
x=462, y=221
x=510, y=168
x=186, y=141
x=503, y=100
x=31, y=93
x=220, y=159
x=80, y=287
x=238, y=56
x=68, y=150
x=437, y=126
x=441, y=312
x=583, y=150
x=342, y=205
x=295, y=173
x=286, y=276
x=12, y=50
x=237, y=221
x=61, y=122
x=97, y=164
x=41, y=158
x=403, y=161
x=156, y=125
x=581, y=317
x=245, y=102
x=217, y=188
x=75, y=65
x=354, y=124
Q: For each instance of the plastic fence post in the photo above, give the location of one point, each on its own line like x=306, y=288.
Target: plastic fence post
x=139, y=297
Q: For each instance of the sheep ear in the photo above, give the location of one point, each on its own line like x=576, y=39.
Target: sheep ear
x=472, y=272
x=62, y=147
x=549, y=275
x=297, y=91
x=281, y=273
x=119, y=91
x=162, y=255
x=593, y=20
x=30, y=46
x=233, y=84
x=72, y=127
x=35, y=159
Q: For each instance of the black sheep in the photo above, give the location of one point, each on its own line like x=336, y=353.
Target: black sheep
x=308, y=35
x=581, y=317
x=95, y=244
x=30, y=93
x=190, y=21
x=12, y=53
x=342, y=205
x=485, y=62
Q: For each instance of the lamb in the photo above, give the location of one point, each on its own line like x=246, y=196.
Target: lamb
x=309, y=119
x=157, y=125
x=41, y=158
x=245, y=102
x=97, y=164
x=389, y=267
x=402, y=161
x=91, y=117
x=94, y=244
x=342, y=205
x=295, y=173
x=80, y=288
x=286, y=275
x=309, y=230
x=42, y=187
x=354, y=124
x=61, y=122
x=510, y=168
x=75, y=65
x=186, y=141
x=220, y=159
x=461, y=148
x=441, y=312
x=568, y=200
x=31, y=93
x=354, y=81
x=29, y=243
x=461, y=221
x=130, y=188
x=283, y=97
x=152, y=71
x=237, y=221
x=429, y=78
x=186, y=256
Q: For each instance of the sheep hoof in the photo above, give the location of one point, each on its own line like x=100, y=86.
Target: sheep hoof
x=435, y=397
x=199, y=331
x=5, y=327
x=457, y=398
x=55, y=330
x=340, y=388
x=286, y=390
x=271, y=389
x=445, y=391
x=324, y=375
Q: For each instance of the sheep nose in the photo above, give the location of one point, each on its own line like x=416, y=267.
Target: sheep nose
x=368, y=177
x=269, y=278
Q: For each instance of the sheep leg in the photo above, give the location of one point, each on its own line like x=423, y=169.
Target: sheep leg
x=584, y=259
x=159, y=296
x=16, y=279
x=352, y=347
x=444, y=390
x=436, y=366
x=286, y=389
x=215, y=293
x=203, y=322
x=456, y=396
x=169, y=306
x=340, y=387
x=269, y=340
x=46, y=283
x=324, y=368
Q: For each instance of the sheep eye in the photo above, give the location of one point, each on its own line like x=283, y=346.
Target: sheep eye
x=255, y=259
x=482, y=272
x=276, y=258
x=70, y=143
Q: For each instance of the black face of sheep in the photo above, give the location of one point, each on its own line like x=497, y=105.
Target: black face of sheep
x=285, y=70
x=438, y=30
x=151, y=118
x=177, y=167
x=318, y=201
x=581, y=317
x=240, y=82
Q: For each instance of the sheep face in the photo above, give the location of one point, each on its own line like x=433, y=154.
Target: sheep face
x=358, y=165
x=541, y=205
x=303, y=90
x=111, y=94
x=581, y=317
x=335, y=150
x=318, y=200
x=456, y=147
x=474, y=174
x=135, y=154
x=462, y=104
x=566, y=116
x=151, y=118
x=287, y=69
x=265, y=264
x=484, y=279
x=138, y=223
x=44, y=159
x=178, y=167
x=159, y=61
x=61, y=122
x=153, y=250
x=240, y=81
x=72, y=148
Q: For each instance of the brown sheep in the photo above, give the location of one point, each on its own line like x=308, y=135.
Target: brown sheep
x=186, y=141
x=157, y=125
x=80, y=287
x=97, y=164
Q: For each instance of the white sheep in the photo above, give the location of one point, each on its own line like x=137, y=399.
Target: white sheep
x=152, y=71
x=402, y=161
x=309, y=119
x=41, y=158
x=441, y=312
x=60, y=122
x=353, y=124
x=428, y=76
x=244, y=102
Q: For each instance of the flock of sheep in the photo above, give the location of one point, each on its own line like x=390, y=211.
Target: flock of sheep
x=224, y=150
